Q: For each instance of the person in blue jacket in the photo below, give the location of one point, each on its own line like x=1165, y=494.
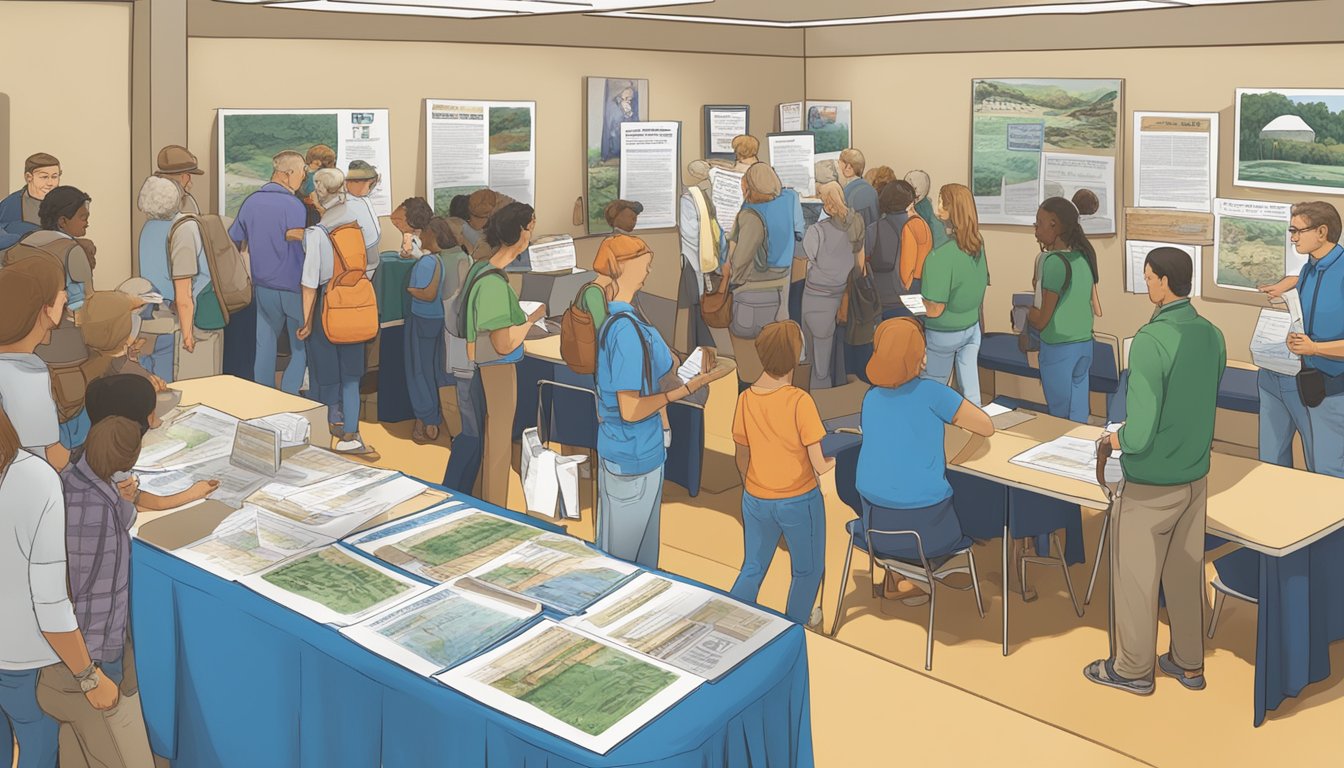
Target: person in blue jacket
x=18, y=211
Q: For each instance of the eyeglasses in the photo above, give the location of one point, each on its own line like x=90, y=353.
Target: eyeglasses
x=1294, y=231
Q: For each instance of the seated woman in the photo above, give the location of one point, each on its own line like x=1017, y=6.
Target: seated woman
x=834, y=247
x=902, y=471
x=778, y=434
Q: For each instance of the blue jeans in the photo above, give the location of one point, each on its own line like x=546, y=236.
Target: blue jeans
x=22, y=719
x=159, y=361
x=1281, y=415
x=629, y=517
x=1327, y=436
x=464, y=460
x=424, y=366
x=336, y=371
x=1064, y=377
x=280, y=311
x=802, y=522
x=960, y=349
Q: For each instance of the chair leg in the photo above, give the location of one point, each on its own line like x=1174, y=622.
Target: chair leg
x=1218, y=598
x=928, y=635
x=1096, y=561
x=975, y=585
x=1068, y=580
x=840, y=601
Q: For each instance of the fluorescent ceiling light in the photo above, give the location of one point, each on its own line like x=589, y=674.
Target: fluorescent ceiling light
x=383, y=8
x=464, y=9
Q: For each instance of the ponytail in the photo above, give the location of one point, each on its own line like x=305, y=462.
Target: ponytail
x=1071, y=228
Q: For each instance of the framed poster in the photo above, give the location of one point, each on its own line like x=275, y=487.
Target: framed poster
x=1251, y=245
x=1291, y=139
x=723, y=123
x=830, y=122
x=1045, y=137
x=610, y=101
x=471, y=145
x=651, y=171
x=1176, y=160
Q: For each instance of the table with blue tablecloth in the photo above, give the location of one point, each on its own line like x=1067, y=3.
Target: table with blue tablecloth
x=230, y=678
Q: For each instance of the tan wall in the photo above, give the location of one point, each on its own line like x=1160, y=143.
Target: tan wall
x=925, y=123
x=72, y=99
x=241, y=73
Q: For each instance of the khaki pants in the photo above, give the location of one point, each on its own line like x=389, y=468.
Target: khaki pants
x=113, y=738
x=500, y=383
x=206, y=360
x=1158, y=539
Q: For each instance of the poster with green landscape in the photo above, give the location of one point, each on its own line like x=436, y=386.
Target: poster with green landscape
x=248, y=141
x=1290, y=139
x=610, y=101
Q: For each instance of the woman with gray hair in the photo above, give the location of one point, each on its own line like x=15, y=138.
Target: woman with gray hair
x=335, y=369
x=172, y=258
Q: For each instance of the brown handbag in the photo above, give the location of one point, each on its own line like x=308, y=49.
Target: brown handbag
x=716, y=306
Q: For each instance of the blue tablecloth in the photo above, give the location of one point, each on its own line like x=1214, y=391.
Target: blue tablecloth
x=229, y=678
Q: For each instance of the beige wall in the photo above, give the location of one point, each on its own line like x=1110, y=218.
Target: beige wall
x=924, y=122
x=72, y=99
x=242, y=73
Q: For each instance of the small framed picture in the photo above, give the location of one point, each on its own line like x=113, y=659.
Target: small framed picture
x=723, y=123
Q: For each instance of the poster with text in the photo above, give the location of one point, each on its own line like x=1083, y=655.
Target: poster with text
x=650, y=171
x=1290, y=138
x=610, y=101
x=250, y=138
x=1176, y=160
x=472, y=145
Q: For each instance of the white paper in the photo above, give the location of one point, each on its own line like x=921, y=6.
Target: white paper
x=1269, y=343
x=1070, y=457
x=791, y=116
x=195, y=436
x=793, y=156
x=248, y=541
x=994, y=409
x=1176, y=160
x=1243, y=262
x=338, y=506
x=314, y=465
x=650, y=172
x=915, y=303
x=689, y=627
x=693, y=366
x=1136, y=252
x=1063, y=175
x=445, y=541
x=528, y=308
x=726, y=193
x=553, y=254
x=461, y=155
x=724, y=126
x=328, y=580
x=500, y=679
x=256, y=448
x=294, y=429
x=560, y=571
x=1293, y=301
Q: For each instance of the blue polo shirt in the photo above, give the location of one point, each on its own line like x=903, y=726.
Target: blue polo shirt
x=901, y=462
x=262, y=221
x=422, y=274
x=1321, y=286
x=633, y=447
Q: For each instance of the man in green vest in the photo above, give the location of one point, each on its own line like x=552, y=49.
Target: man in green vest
x=1157, y=535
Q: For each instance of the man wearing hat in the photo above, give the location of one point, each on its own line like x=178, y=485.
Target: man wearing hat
x=18, y=211
x=359, y=184
x=177, y=164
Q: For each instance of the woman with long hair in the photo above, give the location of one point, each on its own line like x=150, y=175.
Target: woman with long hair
x=953, y=285
x=834, y=247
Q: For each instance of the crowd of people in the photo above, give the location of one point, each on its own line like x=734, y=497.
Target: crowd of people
x=893, y=280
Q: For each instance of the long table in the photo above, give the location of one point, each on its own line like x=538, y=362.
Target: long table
x=230, y=678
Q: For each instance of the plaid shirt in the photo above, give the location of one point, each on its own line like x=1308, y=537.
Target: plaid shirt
x=98, y=549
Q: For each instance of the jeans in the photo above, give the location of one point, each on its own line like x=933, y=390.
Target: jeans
x=1327, y=436
x=464, y=459
x=280, y=311
x=1281, y=415
x=424, y=365
x=822, y=338
x=22, y=719
x=159, y=361
x=629, y=514
x=802, y=522
x=336, y=371
x=946, y=349
x=1064, y=377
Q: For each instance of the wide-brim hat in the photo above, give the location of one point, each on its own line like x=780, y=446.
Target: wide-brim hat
x=178, y=159
x=361, y=171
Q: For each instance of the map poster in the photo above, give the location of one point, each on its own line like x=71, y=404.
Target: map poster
x=333, y=586
x=1251, y=246
x=559, y=571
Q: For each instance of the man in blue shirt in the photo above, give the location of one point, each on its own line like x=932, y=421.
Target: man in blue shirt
x=270, y=226
x=18, y=211
x=859, y=194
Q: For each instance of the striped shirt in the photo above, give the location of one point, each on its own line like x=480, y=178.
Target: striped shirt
x=98, y=549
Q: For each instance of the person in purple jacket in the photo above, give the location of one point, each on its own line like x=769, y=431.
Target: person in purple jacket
x=270, y=227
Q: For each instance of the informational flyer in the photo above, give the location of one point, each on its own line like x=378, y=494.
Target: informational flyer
x=831, y=122
x=1251, y=247
x=1269, y=344
x=250, y=138
x=794, y=158
x=791, y=116
x=726, y=192
x=1176, y=160
x=1136, y=252
x=722, y=125
x=650, y=171
x=1065, y=175
x=472, y=145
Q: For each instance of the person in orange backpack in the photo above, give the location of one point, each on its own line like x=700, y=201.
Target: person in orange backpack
x=335, y=369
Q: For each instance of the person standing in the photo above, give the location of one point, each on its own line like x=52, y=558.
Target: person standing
x=1157, y=530
x=777, y=431
x=359, y=185
x=745, y=149
x=425, y=364
x=955, y=278
x=19, y=210
x=32, y=291
x=269, y=227
x=924, y=206
x=172, y=258
x=898, y=244
x=834, y=247
x=178, y=165
x=859, y=194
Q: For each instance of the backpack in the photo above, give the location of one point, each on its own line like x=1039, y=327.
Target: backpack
x=230, y=286
x=1029, y=340
x=60, y=248
x=578, y=337
x=882, y=259
x=862, y=308
x=646, y=388
x=455, y=323
x=350, y=306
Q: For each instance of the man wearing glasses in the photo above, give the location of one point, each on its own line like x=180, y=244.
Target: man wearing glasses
x=1315, y=232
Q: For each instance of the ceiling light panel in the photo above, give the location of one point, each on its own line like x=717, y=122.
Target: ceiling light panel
x=465, y=9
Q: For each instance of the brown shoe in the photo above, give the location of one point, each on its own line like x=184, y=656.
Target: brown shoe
x=432, y=433
x=418, y=433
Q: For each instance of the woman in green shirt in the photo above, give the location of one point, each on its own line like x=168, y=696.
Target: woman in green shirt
x=956, y=275
x=1064, y=317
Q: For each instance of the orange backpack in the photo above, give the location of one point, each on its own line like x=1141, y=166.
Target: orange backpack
x=350, y=306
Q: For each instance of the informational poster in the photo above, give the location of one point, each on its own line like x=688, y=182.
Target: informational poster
x=1086, y=180
x=793, y=156
x=831, y=123
x=1251, y=246
x=250, y=138
x=723, y=123
x=791, y=116
x=1017, y=124
x=473, y=145
x=1136, y=251
x=609, y=102
x=650, y=171
x=1176, y=160
x=726, y=191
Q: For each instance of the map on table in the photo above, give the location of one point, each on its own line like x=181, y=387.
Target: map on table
x=573, y=685
x=333, y=586
x=559, y=571
x=444, y=542
x=248, y=541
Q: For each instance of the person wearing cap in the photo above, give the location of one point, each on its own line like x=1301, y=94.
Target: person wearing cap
x=360, y=182
x=859, y=194
x=631, y=360
x=19, y=210
x=902, y=470
x=269, y=226
x=32, y=291
x=177, y=164
x=172, y=258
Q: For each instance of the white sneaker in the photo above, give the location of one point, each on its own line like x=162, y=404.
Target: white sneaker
x=814, y=621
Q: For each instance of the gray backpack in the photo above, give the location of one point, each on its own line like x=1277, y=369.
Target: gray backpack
x=455, y=323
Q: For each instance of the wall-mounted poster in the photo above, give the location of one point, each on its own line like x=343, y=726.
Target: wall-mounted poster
x=249, y=138
x=611, y=101
x=651, y=171
x=1291, y=138
x=1251, y=247
x=790, y=116
x=830, y=122
x=1176, y=160
x=723, y=123
x=1018, y=124
x=470, y=145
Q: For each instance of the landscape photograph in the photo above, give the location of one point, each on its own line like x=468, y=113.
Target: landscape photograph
x=1291, y=139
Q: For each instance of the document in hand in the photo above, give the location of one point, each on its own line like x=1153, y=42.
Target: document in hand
x=915, y=303
x=1269, y=343
x=694, y=365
